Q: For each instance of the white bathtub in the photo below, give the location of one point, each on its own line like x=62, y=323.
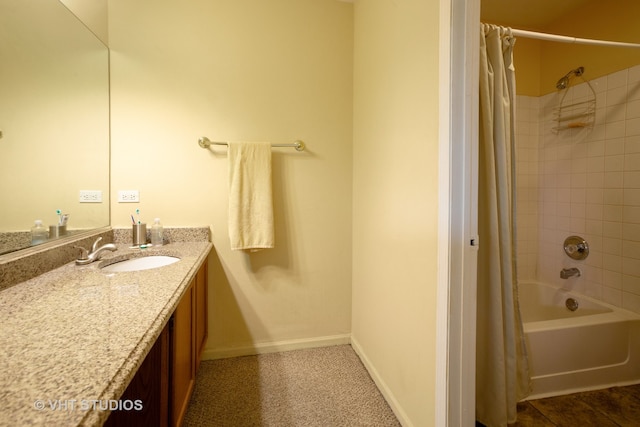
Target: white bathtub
x=596, y=346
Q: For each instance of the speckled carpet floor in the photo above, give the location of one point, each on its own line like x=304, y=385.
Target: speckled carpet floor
x=323, y=387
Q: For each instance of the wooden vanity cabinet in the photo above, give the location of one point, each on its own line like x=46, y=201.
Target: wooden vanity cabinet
x=201, y=313
x=149, y=388
x=183, y=347
x=165, y=380
x=189, y=335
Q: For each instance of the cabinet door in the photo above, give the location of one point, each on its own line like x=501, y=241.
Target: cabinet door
x=148, y=390
x=183, y=355
x=201, y=316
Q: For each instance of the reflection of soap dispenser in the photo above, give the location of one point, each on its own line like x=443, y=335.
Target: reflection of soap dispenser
x=39, y=234
x=157, y=233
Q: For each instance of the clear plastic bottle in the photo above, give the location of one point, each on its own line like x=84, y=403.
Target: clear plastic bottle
x=39, y=233
x=157, y=233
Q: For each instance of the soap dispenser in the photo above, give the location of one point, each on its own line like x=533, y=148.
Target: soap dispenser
x=39, y=233
x=157, y=233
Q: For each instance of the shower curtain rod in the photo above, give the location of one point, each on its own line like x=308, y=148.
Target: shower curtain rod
x=569, y=39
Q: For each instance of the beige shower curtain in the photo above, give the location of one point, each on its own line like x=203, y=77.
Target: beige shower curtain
x=502, y=374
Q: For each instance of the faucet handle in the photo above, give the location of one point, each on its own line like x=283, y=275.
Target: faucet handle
x=84, y=254
x=95, y=244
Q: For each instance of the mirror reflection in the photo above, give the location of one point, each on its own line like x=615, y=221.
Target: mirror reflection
x=54, y=123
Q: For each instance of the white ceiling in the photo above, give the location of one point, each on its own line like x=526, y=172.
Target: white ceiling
x=526, y=14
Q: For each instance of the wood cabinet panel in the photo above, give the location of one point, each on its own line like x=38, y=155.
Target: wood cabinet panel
x=201, y=313
x=146, y=399
x=183, y=355
x=165, y=380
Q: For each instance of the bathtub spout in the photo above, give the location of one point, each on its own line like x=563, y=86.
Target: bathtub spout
x=569, y=272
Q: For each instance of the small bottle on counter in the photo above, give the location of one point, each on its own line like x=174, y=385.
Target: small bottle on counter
x=157, y=233
x=39, y=233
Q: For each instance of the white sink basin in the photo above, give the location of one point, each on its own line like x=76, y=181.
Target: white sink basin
x=142, y=263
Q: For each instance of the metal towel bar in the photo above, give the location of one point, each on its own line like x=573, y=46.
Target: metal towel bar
x=205, y=142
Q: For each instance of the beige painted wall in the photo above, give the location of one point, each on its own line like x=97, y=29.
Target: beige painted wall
x=93, y=13
x=233, y=69
x=526, y=58
x=616, y=21
x=242, y=70
x=539, y=64
x=395, y=199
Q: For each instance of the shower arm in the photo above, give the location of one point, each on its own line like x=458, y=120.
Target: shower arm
x=563, y=83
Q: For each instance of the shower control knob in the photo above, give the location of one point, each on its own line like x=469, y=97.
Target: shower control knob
x=576, y=247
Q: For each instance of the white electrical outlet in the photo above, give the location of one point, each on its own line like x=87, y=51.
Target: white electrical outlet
x=90, y=196
x=128, y=196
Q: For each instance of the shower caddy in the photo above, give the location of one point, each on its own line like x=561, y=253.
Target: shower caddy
x=574, y=114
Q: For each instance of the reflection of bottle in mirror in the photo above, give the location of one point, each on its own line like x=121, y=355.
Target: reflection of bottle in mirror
x=157, y=233
x=39, y=234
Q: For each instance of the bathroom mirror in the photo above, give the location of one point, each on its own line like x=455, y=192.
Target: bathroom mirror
x=54, y=121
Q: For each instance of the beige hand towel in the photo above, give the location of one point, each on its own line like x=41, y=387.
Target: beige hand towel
x=250, y=196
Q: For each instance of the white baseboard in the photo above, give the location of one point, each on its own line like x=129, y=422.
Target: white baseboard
x=382, y=386
x=274, y=347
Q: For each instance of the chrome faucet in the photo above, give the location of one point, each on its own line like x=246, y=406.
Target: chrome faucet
x=569, y=272
x=87, y=257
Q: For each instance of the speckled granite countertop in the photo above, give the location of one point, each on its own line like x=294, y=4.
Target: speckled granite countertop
x=71, y=339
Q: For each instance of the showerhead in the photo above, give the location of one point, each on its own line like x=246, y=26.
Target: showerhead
x=563, y=83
